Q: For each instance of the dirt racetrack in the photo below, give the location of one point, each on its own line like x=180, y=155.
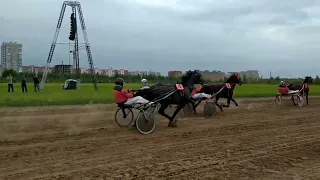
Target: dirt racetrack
x=256, y=140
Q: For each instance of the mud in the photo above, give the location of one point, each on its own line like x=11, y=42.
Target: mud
x=256, y=140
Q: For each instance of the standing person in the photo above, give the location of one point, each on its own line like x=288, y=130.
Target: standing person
x=36, y=83
x=24, y=84
x=10, y=83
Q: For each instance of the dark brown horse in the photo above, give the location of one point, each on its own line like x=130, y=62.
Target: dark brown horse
x=304, y=87
x=169, y=94
x=221, y=91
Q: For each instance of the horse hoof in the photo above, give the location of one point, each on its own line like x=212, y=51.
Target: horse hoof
x=172, y=124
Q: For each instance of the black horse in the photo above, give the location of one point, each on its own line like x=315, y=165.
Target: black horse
x=170, y=94
x=305, y=85
x=221, y=91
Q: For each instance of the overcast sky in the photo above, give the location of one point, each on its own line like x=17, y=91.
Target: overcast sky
x=160, y=35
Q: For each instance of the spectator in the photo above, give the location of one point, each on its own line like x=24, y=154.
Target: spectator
x=36, y=83
x=10, y=83
x=24, y=84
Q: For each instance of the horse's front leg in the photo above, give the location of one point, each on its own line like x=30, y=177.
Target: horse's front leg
x=173, y=123
x=307, y=97
x=161, y=111
x=195, y=105
x=234, y=101
x=219, y=106
x=228, y=103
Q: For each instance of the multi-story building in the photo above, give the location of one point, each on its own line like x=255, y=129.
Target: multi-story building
x=35, y=69
x=175, y=74
x=62, y=68
x=213, y=76
x=11, y=56
x=250, y=74
x=144, y=73
x=123, y=72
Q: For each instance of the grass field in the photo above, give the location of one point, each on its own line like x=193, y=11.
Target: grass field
x=53, y=94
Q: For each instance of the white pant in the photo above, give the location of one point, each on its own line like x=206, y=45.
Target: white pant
x=201, y=95
x=137, y=100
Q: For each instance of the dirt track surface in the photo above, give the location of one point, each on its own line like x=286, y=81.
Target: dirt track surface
x=256, y=140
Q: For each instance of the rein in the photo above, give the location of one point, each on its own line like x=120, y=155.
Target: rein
x=221, y=90
x=213, y=95
x=164, y=96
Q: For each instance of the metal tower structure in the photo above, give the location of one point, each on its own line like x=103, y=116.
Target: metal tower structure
x=76, y=7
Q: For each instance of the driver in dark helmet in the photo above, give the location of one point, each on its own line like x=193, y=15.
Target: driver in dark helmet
x=122, y=96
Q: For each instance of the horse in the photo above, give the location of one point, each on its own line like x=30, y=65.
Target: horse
x=305, y=85
x=178, y=94
x=221, y=91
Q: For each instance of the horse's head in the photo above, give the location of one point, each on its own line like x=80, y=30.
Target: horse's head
x=191, y=78
x=234, y=79
x=308, y=80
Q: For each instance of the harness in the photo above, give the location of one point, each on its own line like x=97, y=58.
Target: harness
x=180, y=88
x=227, y=85
x=303, y=88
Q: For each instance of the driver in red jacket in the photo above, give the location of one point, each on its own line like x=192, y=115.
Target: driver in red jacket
x=122, y=96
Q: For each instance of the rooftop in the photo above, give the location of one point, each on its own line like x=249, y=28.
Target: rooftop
x=212, y=72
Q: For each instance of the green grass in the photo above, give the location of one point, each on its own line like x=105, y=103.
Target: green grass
x=54, y=95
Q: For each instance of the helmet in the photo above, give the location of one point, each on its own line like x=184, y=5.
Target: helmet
x=144, y=81
x=118, y=81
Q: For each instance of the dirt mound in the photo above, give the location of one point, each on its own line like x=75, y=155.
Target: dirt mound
x=256, y=140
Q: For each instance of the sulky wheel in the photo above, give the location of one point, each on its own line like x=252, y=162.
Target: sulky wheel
x=145, y=122
x=124, y=117
x=188, y=109
x=299, y=101
x=209, y=110
x=278, y=100
x=153, y=108
x=295, y=99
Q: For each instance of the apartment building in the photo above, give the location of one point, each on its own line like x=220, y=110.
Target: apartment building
x=250, y=74
x=35, y=69
x=213, y=76
x=144, y=73
x=175, y=74
x=11, y=56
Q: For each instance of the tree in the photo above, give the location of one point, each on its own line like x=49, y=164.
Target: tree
x=9, y=71
x=277, y=78
x=317, y=80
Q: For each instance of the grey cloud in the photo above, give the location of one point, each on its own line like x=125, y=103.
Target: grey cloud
x=268, y=35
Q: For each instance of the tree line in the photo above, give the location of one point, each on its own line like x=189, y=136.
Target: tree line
x=87, y=78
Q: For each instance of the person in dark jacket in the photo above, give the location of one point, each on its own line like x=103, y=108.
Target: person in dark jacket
x=24, y=84
x=36, y=83
x=122, y=96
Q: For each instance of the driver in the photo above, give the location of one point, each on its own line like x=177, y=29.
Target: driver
x=121, y=95
x=144, y=84
x=282, y=84
x=196, y=95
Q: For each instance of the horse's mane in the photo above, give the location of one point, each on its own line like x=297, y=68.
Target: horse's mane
x=306, y=79
x=186, y=77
